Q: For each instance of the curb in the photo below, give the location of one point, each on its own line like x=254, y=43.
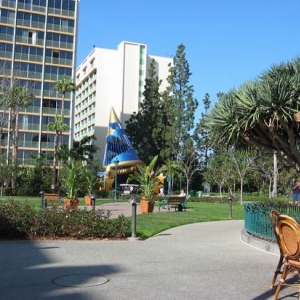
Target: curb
x=259, y=243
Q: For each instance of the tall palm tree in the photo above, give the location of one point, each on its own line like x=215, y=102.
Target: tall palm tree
x=63, y=86
x=16, y=98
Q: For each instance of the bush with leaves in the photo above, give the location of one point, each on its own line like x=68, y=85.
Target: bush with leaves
x=21, y=220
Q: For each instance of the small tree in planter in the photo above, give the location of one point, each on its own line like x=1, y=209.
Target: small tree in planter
x=70, y=178
x=90, y=180
x=146, y=177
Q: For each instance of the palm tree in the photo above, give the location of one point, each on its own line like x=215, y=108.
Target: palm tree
x=15, y=98
x=63, y=86
x=58, y=126
x=84, y=149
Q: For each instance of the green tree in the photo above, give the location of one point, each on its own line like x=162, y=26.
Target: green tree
x=17, y=97
x=58, y=126
x=63, y=85
x=190, y=164
x=287, y=178
x=90, y=182
x=243, y=161
x=261, y=113
x=221, y=171
x=5, y=172
x=170, y=169
x=84, y=149
x=200, y=134
x=179, y=106
x=143, y=127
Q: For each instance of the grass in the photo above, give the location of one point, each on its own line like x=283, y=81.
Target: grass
x=151, y=224
x=36, y=201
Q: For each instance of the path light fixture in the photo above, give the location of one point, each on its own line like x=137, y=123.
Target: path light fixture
x=93, y=198
x=133, y=200
x=230, y=205
x=42, y=198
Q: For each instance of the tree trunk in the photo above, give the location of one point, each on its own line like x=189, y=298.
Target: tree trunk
x=15, y=127
x=241, y=194
x=275, y=175
x=54, y=172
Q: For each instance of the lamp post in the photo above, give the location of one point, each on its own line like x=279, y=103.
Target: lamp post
x=133, y=201
x=42, y=198
x=116, y=179
x=230, y=206
x=93, y=198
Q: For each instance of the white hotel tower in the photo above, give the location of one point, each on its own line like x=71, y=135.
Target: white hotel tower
x=112, y=78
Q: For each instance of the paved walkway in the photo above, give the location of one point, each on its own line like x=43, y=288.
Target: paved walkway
x=119, y=208
x=196, y=261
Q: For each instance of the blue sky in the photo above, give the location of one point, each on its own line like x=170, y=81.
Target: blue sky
x=227, y=41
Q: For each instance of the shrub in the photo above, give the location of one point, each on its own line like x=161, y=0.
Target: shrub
x=21, y=220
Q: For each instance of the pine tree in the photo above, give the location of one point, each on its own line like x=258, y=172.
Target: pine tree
x=179, y=107
x=142, y=127
x=201, y=131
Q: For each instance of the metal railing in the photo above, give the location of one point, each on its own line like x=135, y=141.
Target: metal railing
x=257, y=218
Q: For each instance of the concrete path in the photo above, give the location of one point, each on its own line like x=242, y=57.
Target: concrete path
x=119, y=208
x=197, y=261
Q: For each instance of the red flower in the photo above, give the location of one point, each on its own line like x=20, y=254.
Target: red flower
x=151, y=174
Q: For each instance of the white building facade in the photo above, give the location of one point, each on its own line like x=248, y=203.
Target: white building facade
x=112, y=78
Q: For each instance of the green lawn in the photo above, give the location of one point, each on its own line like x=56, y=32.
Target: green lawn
x=151, y=224
x=37, y=201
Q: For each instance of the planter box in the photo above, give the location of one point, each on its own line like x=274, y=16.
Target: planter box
x=71, y=203
x=87, y=200
x=147, y=206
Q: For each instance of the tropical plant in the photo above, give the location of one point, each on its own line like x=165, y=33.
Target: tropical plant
x=146, y=177
x=63, y=85
x=17, y=97
x=261, y=114
x=90, y=176
x=70, y=177
x=58, y=126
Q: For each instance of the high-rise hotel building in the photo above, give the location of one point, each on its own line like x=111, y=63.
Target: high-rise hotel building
x=112, y=78
x=38, y=41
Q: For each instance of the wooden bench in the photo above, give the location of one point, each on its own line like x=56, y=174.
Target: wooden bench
x=173, y=201
x=51, y=197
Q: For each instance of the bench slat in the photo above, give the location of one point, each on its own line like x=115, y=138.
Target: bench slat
x=172, y=200
x=50, y=197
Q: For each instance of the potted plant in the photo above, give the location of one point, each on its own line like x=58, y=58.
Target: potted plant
x=70, y=177
x=146, y=177
x=90, y=180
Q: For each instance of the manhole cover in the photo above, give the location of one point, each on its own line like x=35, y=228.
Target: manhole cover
x=80, y=280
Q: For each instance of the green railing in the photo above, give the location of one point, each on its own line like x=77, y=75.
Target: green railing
x=257, y=218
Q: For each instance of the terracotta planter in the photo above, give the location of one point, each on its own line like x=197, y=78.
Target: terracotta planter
x=147, y=206
x=71, y=203
x=87, y=200
x=297, y=117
